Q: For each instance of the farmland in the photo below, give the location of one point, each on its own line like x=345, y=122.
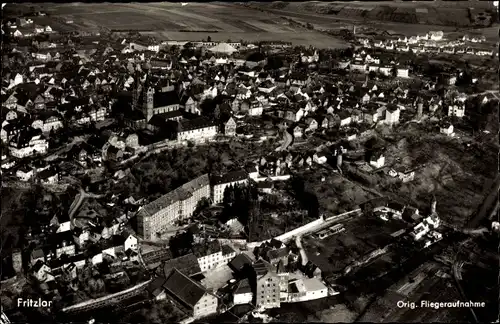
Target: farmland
x=415, y=14
x=195, y=21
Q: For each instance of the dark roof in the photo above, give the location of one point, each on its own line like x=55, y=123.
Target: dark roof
x=158, y=121
x=163, y=99
x=209, y=248
x=187, y=264
x=226, y=249
x=261, y=267
x=396, y=206
x=186, y=290
x=243, y=287
x=156, y=286
x=239, y=262
x=230, y=177
x=279, y=253
x=171, y=114
x=197, y=123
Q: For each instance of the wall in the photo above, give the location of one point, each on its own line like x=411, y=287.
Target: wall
x=274, y=178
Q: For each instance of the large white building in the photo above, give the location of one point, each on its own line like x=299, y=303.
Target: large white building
x=178, y=204
x=212, y=255
x=37, y=144
x=222, y=182
x=306, y=289
x=198, y=129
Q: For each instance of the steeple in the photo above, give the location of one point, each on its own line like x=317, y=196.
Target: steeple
x=433, y=205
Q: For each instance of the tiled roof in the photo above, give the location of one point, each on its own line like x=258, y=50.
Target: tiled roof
x=163, y=99
x=187, y=264
x=178, y=194
x=230, y=177
x=184, y=289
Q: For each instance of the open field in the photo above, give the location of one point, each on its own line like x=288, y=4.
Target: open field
x=409, y=15
x=169, y=21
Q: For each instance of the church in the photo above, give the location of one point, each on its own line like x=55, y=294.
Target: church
x=152, y=107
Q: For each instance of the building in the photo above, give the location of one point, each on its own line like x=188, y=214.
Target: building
x=306, y=289
x=178, y=204
x=230, y=127
x=457, y=110
x=392, y=114
x=147, y=102
x=220, y=183
x=197, y=129
x=187, y=264
x=242, y=293
x=267, y=287
x=447, y=129
x=377, y=160
x=213, y=254
x=190, y=294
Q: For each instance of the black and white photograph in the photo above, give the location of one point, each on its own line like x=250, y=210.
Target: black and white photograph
x=250, y=162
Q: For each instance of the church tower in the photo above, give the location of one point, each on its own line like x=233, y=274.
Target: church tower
x=148, y=103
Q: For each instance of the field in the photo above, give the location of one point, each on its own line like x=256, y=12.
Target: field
x=416, y=16
x=195, y=21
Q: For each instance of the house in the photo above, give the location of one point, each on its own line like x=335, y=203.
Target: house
x=212, y=254
x=37, y=255
x=23, y=146
x=24, y=174
x=49, y=176
x=377, y=160
x=344, y=117
x=311, y=123
x=392, y=114
x=306, y=289
x=446, y=128
x=402, y=72
x=266, y=186
x=256, y=108
x=242, y=293
x=197, y=129
x=298, y=131
x=220, y=183
x=187, y=264
x=240, y=263
x=320, y=158
x=405, y=175
x=191, y=105
x=42, y=272
x=191, y=295
x=230, y=127
x=130, y=243
x=457, y=110
x=267, y=287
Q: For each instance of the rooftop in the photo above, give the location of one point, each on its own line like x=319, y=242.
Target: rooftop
x=181, y=193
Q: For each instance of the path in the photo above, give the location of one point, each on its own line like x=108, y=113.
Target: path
x=80, y=197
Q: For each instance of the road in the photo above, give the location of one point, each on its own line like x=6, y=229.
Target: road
x=488, y=203
x=80, y=197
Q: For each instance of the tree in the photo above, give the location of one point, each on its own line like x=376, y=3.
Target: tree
x=394, y=71
x=209, y=39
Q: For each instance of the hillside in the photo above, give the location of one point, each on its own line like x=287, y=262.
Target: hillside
x=456, y=14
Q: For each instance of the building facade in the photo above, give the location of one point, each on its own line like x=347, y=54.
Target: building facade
x=178, y=204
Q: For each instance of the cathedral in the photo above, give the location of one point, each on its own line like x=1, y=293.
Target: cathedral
x=152, y=106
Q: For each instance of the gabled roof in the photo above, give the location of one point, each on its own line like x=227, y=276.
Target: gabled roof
x=230, y=177
x=187, y=264
x=183, y=288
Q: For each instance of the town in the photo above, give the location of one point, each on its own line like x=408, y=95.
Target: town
x=192, y=180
